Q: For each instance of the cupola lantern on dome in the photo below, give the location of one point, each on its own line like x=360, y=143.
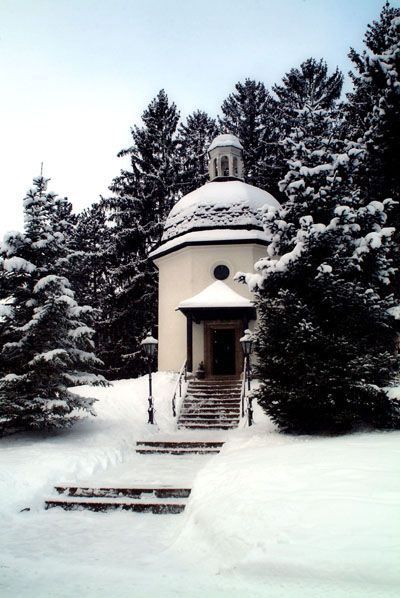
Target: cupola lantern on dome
x=225, y=158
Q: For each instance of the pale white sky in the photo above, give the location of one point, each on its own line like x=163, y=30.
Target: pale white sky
x=76, y=74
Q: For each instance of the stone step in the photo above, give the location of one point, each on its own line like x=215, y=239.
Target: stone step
x=152, y=447
x=99, y=504
x=210, y=416
x=211, y=420
x=181, y=443
x=218, y=395
x=211, y=405
x=117, y=492
x=213, y=389
x=219, y=389
x=197, y=426
x=220, y=382
x=150, y=451
x=210, y=410
x=216, y=391
x=206, y=399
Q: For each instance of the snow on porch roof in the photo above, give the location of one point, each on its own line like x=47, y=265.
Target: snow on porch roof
x=217, y=294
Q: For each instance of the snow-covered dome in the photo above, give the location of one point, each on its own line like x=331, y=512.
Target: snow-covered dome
x=218, y=205
x=224, y=210
x=225, y=140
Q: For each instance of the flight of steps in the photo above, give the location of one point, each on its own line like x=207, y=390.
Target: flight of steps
x=211, y=404
x=160, y=501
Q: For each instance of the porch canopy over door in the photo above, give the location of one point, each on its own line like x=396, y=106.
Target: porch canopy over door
x=215, y=302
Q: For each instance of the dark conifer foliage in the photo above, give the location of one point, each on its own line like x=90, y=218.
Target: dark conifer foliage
x=49, y=343
x=250, y=114
x=374, y=104
x=366, y=84
x=89, y=268
x=194, y=138
x=326, y=340
x=89, y=260
x=309, y=86
x=142, y=198
x=374, y=114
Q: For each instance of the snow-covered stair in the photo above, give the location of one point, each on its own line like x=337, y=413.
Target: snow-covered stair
x=180, y=447
x=163, y=500
x=211, y=405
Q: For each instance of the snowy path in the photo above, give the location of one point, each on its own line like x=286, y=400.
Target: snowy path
x=150, y=470
x=271, y=516
x=95, y=554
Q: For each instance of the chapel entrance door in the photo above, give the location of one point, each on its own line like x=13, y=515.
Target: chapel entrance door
x=222, y=352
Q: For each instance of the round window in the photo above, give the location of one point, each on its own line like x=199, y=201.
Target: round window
x=221, y=272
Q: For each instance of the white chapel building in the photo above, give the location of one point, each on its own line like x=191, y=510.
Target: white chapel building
x=209, y=235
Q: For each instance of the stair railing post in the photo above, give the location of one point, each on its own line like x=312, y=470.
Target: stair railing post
x=250, y=410
x=151, y=402
x=243, y=390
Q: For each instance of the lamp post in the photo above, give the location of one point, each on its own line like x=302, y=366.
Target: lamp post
x=149, y=345
x=247, y=345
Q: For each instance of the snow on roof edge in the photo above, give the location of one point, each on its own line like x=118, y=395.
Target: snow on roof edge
x=203, y=237
x=217, y=294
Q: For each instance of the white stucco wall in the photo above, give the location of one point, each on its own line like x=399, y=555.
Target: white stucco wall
x=185, y=273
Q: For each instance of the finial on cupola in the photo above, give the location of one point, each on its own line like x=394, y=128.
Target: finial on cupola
x=225, y=158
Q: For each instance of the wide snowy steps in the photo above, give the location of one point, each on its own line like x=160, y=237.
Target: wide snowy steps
x=130, y=492
x=155, y=500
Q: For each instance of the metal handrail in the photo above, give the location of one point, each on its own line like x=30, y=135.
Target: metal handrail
x=178, y=386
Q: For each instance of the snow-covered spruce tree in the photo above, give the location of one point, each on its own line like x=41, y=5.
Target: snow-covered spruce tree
x=5, y=316
x=374, y=109
x=306, y=88
x=326, y=341
x=142, y=199
x=374, y=116
x=56, y=347
x=250, y=114
x=88, y=261
x=371, y=78
x=194, y=138
x=49, y=344
x=88, y=267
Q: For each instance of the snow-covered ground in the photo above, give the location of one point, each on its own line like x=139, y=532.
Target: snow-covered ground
x=270, y=516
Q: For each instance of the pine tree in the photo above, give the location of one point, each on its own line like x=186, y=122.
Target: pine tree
x=250, y=114
x=374, y=104
x=374, y=115
x=143, y=197
x=326, y=340
x=88, y=267
x=368, y=85
x=49, y=344
x=309, y=86
x=55, y=347
x=194, y=139
x=89, y=261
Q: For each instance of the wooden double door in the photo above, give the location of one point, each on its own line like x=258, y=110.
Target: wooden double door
x=222, y=352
